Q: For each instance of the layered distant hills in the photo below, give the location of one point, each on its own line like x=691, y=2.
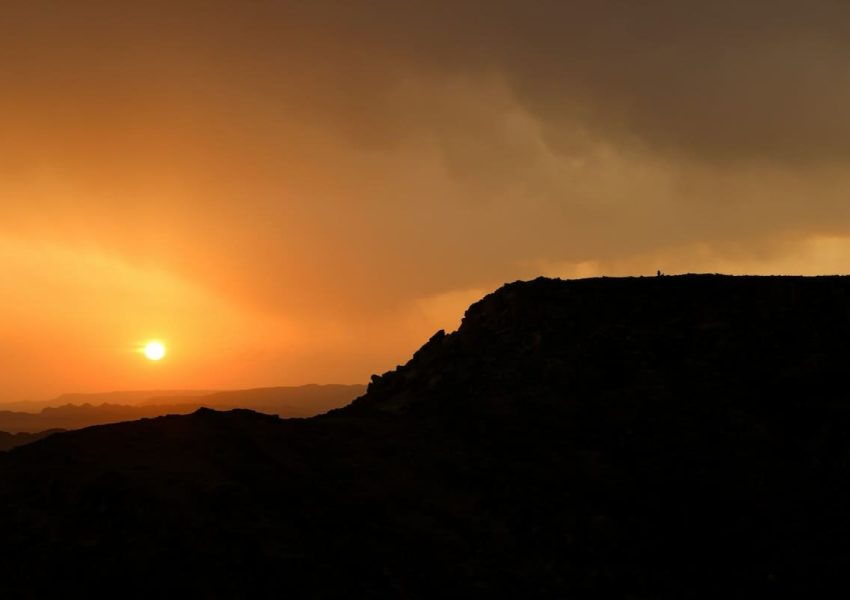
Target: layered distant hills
x=73, y=411
x=126, y=398
x=670, y=437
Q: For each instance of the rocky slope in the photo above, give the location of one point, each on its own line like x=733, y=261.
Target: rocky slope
x=633, y=438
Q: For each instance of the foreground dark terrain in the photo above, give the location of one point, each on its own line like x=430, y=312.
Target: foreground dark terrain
x=666, y=437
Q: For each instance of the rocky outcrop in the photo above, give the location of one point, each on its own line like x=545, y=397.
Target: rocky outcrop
x=558, y=342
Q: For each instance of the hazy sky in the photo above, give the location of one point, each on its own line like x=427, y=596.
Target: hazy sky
x=289, y=192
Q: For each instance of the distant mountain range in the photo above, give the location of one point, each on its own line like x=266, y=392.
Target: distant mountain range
x=125, y=398
x=665, y=437
x=13, y=440
x=84, y=410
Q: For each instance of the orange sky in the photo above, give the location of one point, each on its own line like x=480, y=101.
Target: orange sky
x=293, y=192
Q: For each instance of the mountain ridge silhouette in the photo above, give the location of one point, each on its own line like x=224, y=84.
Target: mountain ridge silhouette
x=678, y=436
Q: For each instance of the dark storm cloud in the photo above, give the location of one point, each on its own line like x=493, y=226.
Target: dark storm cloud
x=401, y=149
x=718, y=80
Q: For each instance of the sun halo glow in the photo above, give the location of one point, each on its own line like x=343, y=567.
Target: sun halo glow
x=154, y=350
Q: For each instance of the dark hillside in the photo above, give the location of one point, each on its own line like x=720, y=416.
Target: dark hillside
x=13, y=440
x=667, y=437
x=550, y=342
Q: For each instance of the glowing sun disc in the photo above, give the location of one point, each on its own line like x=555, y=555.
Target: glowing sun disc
x=154, y=350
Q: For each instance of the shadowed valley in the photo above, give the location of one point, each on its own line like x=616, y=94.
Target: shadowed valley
x=642, y=437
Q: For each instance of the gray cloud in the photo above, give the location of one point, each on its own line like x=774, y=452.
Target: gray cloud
x=402, y=149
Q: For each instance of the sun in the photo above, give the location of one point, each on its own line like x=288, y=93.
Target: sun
x=154, y=350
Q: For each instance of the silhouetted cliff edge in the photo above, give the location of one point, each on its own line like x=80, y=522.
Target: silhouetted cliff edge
x=550, y=342
x=608, y=438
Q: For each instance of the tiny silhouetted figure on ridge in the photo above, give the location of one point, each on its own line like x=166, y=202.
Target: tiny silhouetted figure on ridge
x=659, y=273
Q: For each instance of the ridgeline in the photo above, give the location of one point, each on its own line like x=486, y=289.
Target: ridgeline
x=660, y=437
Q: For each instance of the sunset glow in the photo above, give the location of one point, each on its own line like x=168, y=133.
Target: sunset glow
x=346, y=298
